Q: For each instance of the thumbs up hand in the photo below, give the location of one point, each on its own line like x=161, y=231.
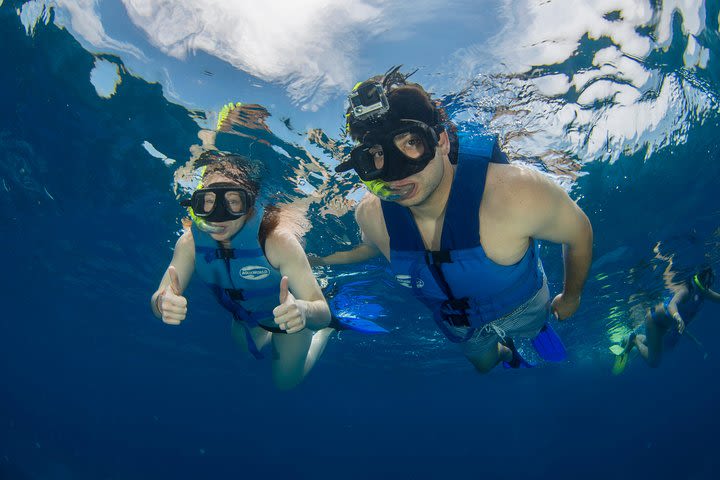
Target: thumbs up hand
x=172, y=305
x=289, y=315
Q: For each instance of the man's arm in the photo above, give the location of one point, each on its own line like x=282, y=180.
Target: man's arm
x=284, y=252
x=369, y=218
x=552, y=215
x=712, y=295
x=360, y=253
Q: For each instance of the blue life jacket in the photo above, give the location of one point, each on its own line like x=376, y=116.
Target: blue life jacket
x=241, y=277
x=459, y=283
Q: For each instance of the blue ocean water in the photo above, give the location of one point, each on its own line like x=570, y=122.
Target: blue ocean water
x=93, y=386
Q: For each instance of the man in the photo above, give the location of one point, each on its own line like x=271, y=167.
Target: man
x=462, y=237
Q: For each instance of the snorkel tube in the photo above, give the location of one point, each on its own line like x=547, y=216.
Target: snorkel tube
x=200, y=223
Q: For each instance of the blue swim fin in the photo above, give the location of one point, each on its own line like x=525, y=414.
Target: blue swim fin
x=356, y=324
x=517, y=360
x=548, y=345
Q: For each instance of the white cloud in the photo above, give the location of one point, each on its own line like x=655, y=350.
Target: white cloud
x=313, y=47
x=552, y=85
x=548, y=33
x=692, y=13
x=85, y=21
x=32, y=13
x=105, y=77
x=308, y=45
x=618, y=104
x=150, y=148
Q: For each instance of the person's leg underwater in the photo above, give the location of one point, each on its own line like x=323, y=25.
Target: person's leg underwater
x=317, y=347
x=259, y=336
x=290, y=352
x=657, y=323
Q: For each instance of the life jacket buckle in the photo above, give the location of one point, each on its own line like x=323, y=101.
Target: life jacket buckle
x=457, y=320
x=437, y=257
x=454, y=312
x=225, y=253
x=236, y=295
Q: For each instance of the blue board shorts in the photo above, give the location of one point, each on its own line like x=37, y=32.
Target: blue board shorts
x=525, y=321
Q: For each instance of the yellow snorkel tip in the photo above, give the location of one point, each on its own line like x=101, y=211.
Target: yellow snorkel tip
x=224, y=112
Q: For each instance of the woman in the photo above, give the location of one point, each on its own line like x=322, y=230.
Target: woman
x=252, y=259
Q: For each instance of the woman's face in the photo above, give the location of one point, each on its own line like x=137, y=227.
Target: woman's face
x=228, y=228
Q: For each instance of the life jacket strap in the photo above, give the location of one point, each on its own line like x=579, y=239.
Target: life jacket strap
x=437, y=257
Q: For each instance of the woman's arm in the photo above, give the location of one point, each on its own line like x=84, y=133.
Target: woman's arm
x=304, y=304
x=167, y=301
x=672, y=309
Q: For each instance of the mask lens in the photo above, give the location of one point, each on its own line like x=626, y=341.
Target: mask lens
x=411, y=144
x=236, y=202
x=368, y=161
x=203, y=203
x=378, y=158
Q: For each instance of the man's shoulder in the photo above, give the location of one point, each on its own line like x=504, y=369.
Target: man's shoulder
x=513, y=175
x=516, y=190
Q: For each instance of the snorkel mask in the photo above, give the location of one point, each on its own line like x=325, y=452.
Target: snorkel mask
x=218, y=202
x=392, y=155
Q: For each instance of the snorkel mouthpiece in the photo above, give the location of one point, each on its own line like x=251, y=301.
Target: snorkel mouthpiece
x=202, y=225
x=378, y=188
x=383, y=191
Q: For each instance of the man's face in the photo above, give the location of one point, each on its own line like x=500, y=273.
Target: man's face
x=415, y=189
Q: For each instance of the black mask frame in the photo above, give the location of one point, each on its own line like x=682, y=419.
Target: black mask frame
x=220, y=212
x=396, y=165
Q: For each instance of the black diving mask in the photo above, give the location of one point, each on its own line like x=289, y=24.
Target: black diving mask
x=220, y=202
x=399, y=153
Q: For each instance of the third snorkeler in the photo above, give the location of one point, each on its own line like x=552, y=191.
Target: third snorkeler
x=666, y=321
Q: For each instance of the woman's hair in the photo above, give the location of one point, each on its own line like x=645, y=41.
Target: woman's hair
x=236, y=168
